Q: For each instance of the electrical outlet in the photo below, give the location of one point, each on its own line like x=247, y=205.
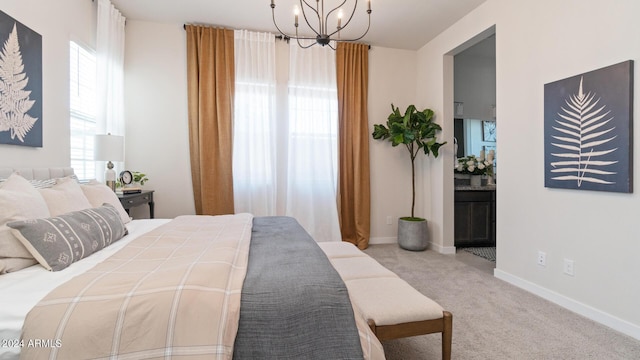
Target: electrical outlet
x=389, y=220
x=568, y=267
x=542, y=258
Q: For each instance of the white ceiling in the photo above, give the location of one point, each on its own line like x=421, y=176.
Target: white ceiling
x=403, y=24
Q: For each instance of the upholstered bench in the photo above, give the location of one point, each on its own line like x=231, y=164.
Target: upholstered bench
x=392, y=307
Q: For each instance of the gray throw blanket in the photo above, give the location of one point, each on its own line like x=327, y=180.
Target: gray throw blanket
x=294, y=305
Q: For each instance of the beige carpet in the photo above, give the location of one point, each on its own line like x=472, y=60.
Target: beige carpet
x=493, y=319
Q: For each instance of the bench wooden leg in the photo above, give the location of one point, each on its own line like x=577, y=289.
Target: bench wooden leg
x=447, y=334
x=444, y=326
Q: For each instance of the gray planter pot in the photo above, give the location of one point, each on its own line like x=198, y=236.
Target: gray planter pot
x=413, y=235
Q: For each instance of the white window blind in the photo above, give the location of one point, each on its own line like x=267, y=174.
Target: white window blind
x=82, y=106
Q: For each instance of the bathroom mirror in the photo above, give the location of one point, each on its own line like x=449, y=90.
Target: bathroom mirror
x=473, y=136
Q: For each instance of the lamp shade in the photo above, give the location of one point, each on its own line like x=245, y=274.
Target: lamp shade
x=108, y=148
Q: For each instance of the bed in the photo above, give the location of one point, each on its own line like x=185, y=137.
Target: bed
x=192, y=287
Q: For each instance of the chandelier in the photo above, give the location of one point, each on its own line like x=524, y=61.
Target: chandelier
x=321, y=21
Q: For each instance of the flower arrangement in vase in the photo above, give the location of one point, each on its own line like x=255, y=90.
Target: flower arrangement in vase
x=474, y=166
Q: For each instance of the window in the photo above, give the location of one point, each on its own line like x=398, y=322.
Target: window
x=313, y=128
x=82, y=109
x=285, y=133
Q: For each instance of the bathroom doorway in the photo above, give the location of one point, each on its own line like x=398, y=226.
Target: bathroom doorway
x=475, y=120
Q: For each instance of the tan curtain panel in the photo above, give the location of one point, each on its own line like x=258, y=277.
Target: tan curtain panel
x=352, y=65
x=210, y=81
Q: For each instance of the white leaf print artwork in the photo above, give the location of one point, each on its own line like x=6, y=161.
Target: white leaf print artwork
x=14, y=99
x=583, y=131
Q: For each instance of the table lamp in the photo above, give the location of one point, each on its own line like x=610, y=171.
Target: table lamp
x=109, y=148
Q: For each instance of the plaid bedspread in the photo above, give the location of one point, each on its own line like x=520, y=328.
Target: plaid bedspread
x=173, y=292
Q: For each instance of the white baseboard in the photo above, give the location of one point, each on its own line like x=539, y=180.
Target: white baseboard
x=383, y=240
x=587, y=311
x=446, y=250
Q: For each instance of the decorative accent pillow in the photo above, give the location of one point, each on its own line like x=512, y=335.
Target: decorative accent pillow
x=99, y=193
x=8, y=265
x=65, y=196
x=42, y=184
x=58, y=242
x=18, y=201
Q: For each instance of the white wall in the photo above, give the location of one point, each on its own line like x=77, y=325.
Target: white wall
x=391, y=80
x=157, y=140
x=157, y=130
x=540, y=42
x=475, y=80
x=57, y=22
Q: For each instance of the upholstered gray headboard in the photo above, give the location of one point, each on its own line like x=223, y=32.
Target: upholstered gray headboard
x=37, y=173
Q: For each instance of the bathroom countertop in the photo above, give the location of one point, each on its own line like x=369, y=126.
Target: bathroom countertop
x=475, y=188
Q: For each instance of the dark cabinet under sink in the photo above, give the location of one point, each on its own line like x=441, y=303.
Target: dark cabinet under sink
x=475, y=218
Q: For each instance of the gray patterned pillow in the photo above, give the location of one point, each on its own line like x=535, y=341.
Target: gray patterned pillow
x=59, y=241
x=43, y=184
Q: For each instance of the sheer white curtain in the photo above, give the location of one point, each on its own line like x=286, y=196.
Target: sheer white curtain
x=285, y=163
x=313, y=127
x=110, y=73
x=254, y=143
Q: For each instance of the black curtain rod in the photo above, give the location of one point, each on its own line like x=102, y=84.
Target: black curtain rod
x=279, y=37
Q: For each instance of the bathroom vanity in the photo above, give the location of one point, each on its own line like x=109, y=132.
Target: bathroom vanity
x=475, y=215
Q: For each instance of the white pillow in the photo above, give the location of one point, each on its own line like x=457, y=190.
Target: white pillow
x=64, y=197
x=19, y=200
x=99, y=193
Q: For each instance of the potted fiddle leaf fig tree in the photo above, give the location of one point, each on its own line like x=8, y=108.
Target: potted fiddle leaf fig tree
x=416, y=131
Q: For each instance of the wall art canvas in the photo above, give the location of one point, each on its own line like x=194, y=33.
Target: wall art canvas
x=488, y=130
x=588, y=130
x=20, y=84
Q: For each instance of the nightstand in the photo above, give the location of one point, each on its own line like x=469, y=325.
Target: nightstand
x=132, y=200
